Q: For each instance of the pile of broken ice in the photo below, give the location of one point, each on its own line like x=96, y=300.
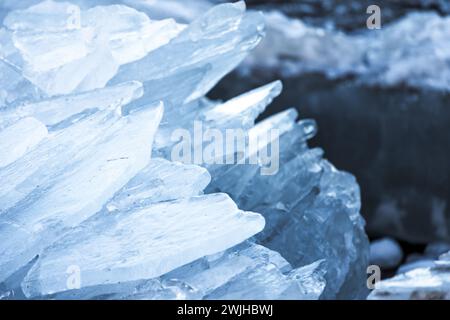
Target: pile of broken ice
x=420, y=283
x=91, y=205
x=411, y=51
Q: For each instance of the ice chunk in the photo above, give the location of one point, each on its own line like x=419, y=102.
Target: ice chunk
x=308, y=205
x=45, y=16
x=238, y=113
x=53, y=111
x=89, y=197
x=426, y=283
x=249, y=271
x=66, y=49
x=307, y=188
x=220, y=39
x=142, y=243
x=246, y=271
x=67, y=178
x=265, y=281
x=244, y=109
x=411, y=50
x=160, y=181
x=418, y=263
x=133, y=34
x=172, y=9
x=14, y=88
x=19, y=138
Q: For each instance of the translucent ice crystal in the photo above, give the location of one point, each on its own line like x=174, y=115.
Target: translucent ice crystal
x=51, y=112
x=67, y=177
x=81, y=49
x=308, y=205
x=247, y=271
x=142, y=243
x=19, y=138
x=84, y=194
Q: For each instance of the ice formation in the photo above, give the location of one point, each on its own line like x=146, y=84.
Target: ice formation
x=391, y=56
x=369, y=81
x=85, y=104
x=387, y=57
x=426, y=283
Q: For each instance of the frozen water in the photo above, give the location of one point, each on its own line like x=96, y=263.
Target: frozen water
x=19, y=138
x=158, y=182
x=67, y=178
x=15, y=88
x=142, y=243
x=87, y=195
x=308, y=199
x=430, y=282
x=410, y=51
x=81, y=49
x=68, y=108
x=247, y=271
x=220, y=39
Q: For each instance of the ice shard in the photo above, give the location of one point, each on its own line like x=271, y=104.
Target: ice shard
x=89, y=197
x=67, y=178
x=249, y=271
x=142, y=243
x=15, y=88
x=220, y=39
x=68, y=108
x=246, y=271
x=19, y=138
x=306, y=188
x=159, y=182
x=308, y=204
x=81, y=49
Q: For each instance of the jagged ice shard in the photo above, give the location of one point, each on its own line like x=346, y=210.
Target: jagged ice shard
x=84, y=113
x=143, y=243
x=66, y=178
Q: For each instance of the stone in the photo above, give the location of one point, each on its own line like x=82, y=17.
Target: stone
x=385, y=253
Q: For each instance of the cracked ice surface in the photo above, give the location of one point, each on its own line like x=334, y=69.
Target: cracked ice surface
x=87, y=193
